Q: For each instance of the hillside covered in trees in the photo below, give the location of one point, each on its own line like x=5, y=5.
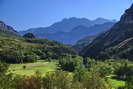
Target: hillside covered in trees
x=101, y=61
x=17, y=49
x=115, y=43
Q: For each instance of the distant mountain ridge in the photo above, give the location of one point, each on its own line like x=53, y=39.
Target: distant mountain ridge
x=115, y=43
x=79, y=32
x=70, y=30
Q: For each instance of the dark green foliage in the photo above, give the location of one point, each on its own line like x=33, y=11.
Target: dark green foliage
x=81, y=78
x=71, y=64
x=94, y=81
x=20, y=50
x=44, y=42
x=90, y=80
x=103, y=68
x=58, y=79
x=90, y=63
x=117, y=43
x=124, y=72
x=5, y=79
x=3, y=68
x=83, y=42
x=121, y=87
x=16, y=51
x=129, y=83
x=24, y=67
x=29, y=35
x=80, y=75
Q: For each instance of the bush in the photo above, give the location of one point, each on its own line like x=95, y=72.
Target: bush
x=29, y=35
x=94, y=81
x=57, y=80
x=70, y=64
x=6, y=80
x=90, y=63
x=28, y=82
x=124, y=72
x=86, y=80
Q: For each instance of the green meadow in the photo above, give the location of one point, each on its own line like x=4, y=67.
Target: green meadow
x=117, y=83
x=30, y=68
x=43, y=67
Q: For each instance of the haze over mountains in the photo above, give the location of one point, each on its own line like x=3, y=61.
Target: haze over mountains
x=116, y=43
x=100, y=38
x=70, y=30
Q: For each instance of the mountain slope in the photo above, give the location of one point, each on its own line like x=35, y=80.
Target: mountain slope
x=8, y=29
x=16, y=49
x=78, y=33
x=65, y=25
x=70, y=30
x=102, y=46
x=83, y=43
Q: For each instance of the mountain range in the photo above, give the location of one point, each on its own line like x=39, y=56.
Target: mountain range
x=100, y=39
x=116, y=43
x=70, y=30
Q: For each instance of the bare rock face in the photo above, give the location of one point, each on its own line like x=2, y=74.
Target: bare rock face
x=127, y=17
x=3, y=25
x=7, y=28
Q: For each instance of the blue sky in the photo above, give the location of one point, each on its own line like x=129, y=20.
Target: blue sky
x=24, y=14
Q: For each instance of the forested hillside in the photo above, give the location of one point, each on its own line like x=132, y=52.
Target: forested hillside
x=115, y=43
x=101, y=59
x=17, y=49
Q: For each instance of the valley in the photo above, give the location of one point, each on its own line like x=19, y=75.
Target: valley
x=74, y=53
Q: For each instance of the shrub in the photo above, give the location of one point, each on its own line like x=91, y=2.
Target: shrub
x=28, y=82
x=57, y=80
x=70, y=64
x=29, y=35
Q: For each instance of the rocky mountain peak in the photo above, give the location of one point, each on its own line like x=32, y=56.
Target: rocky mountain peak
x=127, y=17
x=2, y=25
x=6, y=28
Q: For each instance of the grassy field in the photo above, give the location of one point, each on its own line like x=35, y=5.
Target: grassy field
x=30, y=68
x=43, y=67
x=117, y=83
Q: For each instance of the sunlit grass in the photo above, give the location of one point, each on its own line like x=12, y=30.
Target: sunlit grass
x=117, y=83
x=30, y=68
